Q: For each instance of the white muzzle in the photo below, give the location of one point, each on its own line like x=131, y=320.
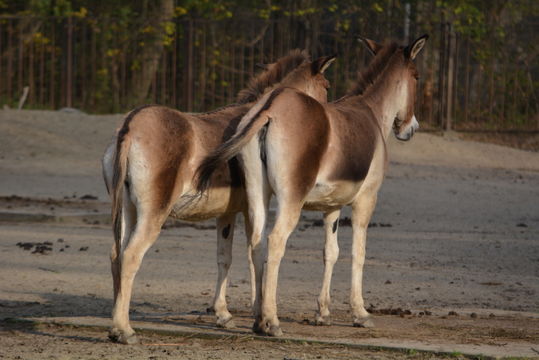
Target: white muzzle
x=408, y=131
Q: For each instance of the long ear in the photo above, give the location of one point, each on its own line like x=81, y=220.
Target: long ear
x=372, y=45
x=322, y=63
x=414, y=48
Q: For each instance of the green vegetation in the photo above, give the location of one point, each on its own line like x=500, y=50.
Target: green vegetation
x=479, y=70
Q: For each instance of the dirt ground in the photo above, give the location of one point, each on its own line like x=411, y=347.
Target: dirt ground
x=452, y=256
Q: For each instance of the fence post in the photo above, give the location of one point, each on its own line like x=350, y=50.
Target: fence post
x=451, y=42
x=1, y=61
x=69, y=80
x=190, y=64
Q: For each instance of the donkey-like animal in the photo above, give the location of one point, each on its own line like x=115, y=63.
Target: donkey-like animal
x=322, y=157
x=150, y=169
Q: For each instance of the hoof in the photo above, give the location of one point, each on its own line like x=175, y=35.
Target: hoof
x=122, y=338
x=258, y=329
x=226, y=323
x=114, y=334
x=275, y=330
x=322, y=320
x=364, y=323
x=264, y=328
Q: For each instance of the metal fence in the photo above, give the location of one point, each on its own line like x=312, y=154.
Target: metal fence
x=88, y=64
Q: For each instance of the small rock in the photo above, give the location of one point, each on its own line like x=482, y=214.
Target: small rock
x=25, y=245
x=452, y=313
x=41, y=249
x=88, y=197
x=387, y=282
x=83, y=248
x=473, y=315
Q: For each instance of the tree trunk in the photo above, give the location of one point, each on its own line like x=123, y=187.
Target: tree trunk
x=159, y=13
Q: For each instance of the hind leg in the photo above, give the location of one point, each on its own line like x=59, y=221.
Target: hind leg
x=258, y=195
x=331, y=254
x=129, y=220
x=146, y=232
x=225, y=235
x=287, y=218
x=256, y=251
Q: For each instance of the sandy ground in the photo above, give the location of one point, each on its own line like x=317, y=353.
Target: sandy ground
x=453, y=244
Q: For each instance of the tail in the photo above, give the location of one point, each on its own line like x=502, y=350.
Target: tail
x=249, y=126
x=107, y=162
x=118, y=183
x=119, y=174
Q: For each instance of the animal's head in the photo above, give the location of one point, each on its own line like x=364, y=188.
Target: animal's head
x=405, y=123
x=309, y=78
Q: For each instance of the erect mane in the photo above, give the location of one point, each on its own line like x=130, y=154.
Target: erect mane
x=272, y=75
x=368, y=76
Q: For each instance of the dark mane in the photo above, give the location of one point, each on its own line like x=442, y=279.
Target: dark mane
x=368, y=76
x=272, y=75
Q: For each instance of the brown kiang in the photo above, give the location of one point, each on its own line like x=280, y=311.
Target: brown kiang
x=318, y=156
x=149, y=171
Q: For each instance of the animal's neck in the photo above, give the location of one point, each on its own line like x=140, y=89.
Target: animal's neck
x=313, y=90
x=385, y=98
x=303, y=86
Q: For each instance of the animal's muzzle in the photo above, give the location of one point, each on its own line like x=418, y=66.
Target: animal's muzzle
x=408, y=131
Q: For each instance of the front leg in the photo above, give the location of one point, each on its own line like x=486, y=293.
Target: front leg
x=331, y=254
x=225, y=236
x=362, y=210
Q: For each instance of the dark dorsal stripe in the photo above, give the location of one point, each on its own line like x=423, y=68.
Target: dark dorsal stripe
x=273, y=75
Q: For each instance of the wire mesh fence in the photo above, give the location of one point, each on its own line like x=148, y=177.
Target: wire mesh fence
x=91, y=63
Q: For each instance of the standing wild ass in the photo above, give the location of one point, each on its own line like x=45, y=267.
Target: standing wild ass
x=150, y=169
x=322, y=157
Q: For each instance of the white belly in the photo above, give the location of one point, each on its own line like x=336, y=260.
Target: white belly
x=219, y=201
x=330, y=195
